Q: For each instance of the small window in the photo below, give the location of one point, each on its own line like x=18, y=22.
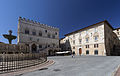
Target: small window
x=40, y=46
x=87, y=52
x=34, y=33
x=48, y=45
x=26, y=31
x=96, y=52
x=37, y=40
x=55, y=33
x=80, y=41
x=73, y=47
x=40, y=33
x=86, y=39
x=96, y=38
x=30, y=38
x=45, y=31
x=53, y=36
x=87, y=46
x=48, y=35
x=95, y=45
x=73, y=41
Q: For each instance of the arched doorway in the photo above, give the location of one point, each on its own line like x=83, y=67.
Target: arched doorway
x=34, y=48
x=50, y=52
x=80, y=51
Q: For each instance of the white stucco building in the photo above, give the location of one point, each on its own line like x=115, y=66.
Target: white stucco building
x=39, y=37
x=96, y=39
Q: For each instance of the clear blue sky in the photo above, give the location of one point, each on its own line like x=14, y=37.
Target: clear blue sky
x=68, y=15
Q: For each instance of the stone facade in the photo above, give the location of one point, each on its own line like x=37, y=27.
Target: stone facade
x=39, y=37
x=97, y=39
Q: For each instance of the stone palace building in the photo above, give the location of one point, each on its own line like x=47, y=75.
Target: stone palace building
x=97, y=39
x=39, y=37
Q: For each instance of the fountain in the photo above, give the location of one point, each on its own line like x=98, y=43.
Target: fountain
x=9, y=36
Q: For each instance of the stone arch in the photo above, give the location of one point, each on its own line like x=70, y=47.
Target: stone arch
x=50, y=52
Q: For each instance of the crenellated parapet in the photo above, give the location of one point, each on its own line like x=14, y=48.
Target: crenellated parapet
x=36, y=23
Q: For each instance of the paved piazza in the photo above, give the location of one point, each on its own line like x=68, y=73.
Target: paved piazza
x=79, y=66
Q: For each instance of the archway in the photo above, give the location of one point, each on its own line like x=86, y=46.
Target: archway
x=34, y=48
x=50, y=52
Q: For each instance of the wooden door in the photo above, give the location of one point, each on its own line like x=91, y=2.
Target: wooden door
x=80, y=51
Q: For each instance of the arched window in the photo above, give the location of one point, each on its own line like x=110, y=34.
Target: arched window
x=87, y=38
x=96, y=38
x=26, y=31
x=40, y=33
x=87, y=52
x=33, y=32
x=96, y=52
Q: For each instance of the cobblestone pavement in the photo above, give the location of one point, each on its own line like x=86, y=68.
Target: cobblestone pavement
x=79, y=66
x=117, y=73
x=29, y=69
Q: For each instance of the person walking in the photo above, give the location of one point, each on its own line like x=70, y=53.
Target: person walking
x=73, y=54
